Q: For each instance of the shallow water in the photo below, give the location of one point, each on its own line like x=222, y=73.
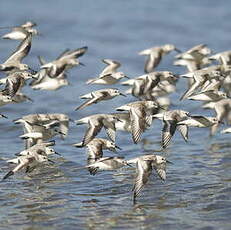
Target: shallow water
x=196, y=194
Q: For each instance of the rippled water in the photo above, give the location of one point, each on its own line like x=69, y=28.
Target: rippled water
x=197, y=192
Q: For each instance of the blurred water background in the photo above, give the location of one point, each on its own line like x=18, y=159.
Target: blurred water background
x=197, y=192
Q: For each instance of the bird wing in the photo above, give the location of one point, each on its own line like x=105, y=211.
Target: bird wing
x=12, y=86
x=64, y=53
x=74, y=53
x=21, y=51
x=111, y=132
x=190, y=91
x=152, y=61
x=167, y=132
x=95, y=151
x=91, y=132
x=21, y=165
x=141, y=179
x=95, y=99
x=137, y=123
x=183, y=129
x=203, y=120
x=161, y=170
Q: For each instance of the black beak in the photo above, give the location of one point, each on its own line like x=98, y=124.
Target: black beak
x=51, y=161
x=57, y=153
x=126, y=77
x=129, y=165
x=169, y=162
x=61, y=133
x=117, y=147
x=221, y=122
x=177, y=50
x=123, y=95
x=80, y=63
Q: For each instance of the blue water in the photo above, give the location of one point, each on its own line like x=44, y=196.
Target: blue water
x=196, y=194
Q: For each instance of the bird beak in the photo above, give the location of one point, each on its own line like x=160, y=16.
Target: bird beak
x=129, y=165
x=126, y=77
x=123, y=95
x=221, y=122
x=177, y=50
x=57, y=153
x=61, y=133
x=169, y=162
x=51, y=161
x=160, y=107
x=117, y=147
x=80, y=63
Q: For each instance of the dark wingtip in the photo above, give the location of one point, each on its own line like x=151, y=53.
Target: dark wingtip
x=10, y=173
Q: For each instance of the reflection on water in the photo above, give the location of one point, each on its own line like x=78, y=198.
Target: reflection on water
x=196, y=194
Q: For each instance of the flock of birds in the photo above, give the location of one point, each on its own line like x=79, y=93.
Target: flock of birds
x=207, y=82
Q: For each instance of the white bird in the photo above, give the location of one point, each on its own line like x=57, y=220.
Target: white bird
x=96, y=146
x=98, y=96
x=109, y=75
x=106, y=163
x=14, y=61
x=65, y=61
x=155, y=54
x=140, y=115
x=144, y=167
x=170, y=120
x=96, y=123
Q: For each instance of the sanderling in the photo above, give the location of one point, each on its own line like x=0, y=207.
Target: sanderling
x=194, y=58
x=96, y=123
x=155, y=54
x=200, y=77
x=144, y=166
x=140, y=115
x=28, y=161
x=65, y=61
x=109, y=75
x=96, y=146
x=44, y=81
x=107, y=163
x=47, y=124
x=170, y=120
x=20, y=32
x=224, y=57
x=14, y=61
x=98, y=96
x=107, y=79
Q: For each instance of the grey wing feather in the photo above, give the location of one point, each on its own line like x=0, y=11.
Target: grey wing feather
x=161, y=170
x=111, y=133
x=167, y=132
x=88, y=102
x=21, y=51
x=91, y=132
x=137, y=124
x=140, y=181
x=183, y=129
